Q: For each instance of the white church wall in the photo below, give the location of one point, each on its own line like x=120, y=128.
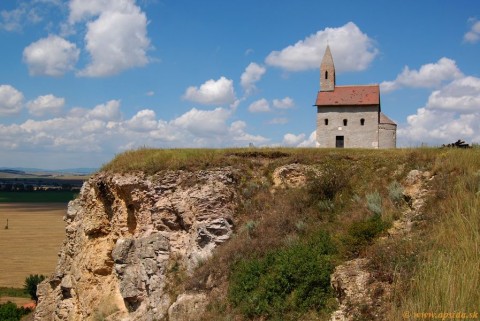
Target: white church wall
x=387, y=136
x=355, y=134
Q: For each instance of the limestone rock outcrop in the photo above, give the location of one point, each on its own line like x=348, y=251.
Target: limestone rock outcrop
x=187, y=306
x=293, y=175
x=126, y=233
x=356, y=289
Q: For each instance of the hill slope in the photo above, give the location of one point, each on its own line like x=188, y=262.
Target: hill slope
x=265, y=234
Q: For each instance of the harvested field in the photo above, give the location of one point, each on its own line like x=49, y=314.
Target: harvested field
x=31, y=242
x=20, y=302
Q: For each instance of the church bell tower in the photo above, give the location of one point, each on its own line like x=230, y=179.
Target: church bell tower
x=327, y=72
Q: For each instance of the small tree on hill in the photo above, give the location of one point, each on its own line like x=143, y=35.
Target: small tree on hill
x=10, y=312
x=31, y=283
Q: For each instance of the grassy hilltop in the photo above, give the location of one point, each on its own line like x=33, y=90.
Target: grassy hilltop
x=287, y=243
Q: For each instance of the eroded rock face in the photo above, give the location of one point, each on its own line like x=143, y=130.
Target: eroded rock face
x=292, y=175
x=356, y=289
x=415, y=191
x=124, y=231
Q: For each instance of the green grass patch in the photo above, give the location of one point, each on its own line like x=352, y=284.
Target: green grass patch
x=37, y=197
x=13, y=292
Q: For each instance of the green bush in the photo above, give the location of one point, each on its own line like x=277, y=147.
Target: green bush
x=332, y=180
x=31, y=283
x=362, y=233
x=295, y=278
x=10, y=312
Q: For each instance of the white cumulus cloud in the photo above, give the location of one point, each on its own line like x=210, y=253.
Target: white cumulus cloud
x=435, y=127
x=116, y=37
x=252, y=74
x=292, y=139
x=107, y=111
x=45, y=105
x=11, y=100
x=451, y=113
x=285, y=103
x=144, y=120
x=103, y=131
x=300, y=140
x=212, y=92
x=473, y=35
x=238, y=134
x=428, y=76
x=311, y=141
x=51, y=56
x=259, y=106
x=352, y=50
x=461, y=95
x=86, y=9
x=204, y=122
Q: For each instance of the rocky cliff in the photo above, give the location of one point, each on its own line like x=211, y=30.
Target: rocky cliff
x=125, y=237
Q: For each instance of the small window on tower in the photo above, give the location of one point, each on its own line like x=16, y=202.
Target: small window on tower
x=326, y=121
x=362, y=121
x=326, y=74
x=344, y=122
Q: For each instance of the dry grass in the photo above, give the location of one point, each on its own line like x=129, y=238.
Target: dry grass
x=32, y=241
x=447, y=278
x=154, y=160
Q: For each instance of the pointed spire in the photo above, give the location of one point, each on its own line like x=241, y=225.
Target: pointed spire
x=327, y=58
x=327, y=72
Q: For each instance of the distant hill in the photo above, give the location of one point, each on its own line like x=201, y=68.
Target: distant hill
x=37, y=171
x=12, y=171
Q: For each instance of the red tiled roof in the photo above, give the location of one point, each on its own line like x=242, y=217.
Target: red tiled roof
x=349, y=95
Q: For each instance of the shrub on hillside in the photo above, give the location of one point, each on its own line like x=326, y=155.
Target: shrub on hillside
x=331, y=181
x=295, y=278
x=10, y=312
x=31, y=283
x=362, y=233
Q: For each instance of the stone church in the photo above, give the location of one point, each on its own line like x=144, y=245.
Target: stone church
x=350, y=116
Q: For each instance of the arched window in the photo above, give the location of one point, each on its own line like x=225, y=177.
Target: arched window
x=326, y=121
x=344, y=122
x=326, y=74
x=362, y=121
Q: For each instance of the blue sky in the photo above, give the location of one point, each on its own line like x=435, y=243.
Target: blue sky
x=83, y=80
